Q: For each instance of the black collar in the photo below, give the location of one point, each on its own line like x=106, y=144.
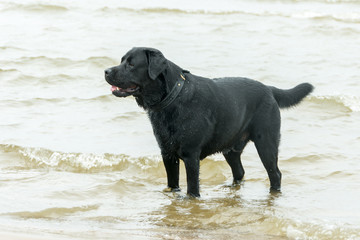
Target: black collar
x=172, y=95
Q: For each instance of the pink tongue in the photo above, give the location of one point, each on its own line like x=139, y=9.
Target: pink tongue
x=113, y=88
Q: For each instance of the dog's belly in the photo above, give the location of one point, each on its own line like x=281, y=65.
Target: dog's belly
x=225, y=144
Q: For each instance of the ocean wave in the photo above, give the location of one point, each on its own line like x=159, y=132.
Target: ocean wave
x=41, y=158
x=16, y=77
x=56, y=212
x=302, y=159
x=346, y=102
x=40, y=69
x=44, y=100
x=65, y=62
x=36, y=60
x=35, y=7
x=260, y=8
x=10, y=70
x=349, y=17
x=168, y=10
x=99, y=61
x=146, y=166
x=11, y=48
x=307, y=230
x=353, y=17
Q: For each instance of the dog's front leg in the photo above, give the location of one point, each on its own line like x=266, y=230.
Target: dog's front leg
x=192, y=166
x=172, y=170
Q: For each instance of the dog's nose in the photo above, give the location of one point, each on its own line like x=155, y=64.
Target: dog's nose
x=107, y=71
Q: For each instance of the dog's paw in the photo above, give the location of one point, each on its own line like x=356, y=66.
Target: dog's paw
x=236, y=184
x=275, y=190
x=169, y=189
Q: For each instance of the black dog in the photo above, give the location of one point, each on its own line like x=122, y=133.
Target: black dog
x=194, y=117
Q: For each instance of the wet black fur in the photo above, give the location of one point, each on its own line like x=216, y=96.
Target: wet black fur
x=208, y=116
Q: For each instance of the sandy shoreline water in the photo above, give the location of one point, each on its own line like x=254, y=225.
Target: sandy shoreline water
x=24, y=236
x=159, y=234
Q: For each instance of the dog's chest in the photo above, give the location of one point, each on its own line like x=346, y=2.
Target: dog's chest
x=166, y=128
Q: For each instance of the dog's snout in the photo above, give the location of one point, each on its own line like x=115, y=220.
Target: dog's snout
x=107, y=71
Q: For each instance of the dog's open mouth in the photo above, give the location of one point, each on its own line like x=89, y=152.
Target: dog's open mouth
x=124, y=92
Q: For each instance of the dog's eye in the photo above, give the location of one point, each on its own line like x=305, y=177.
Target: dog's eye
x=131, y=65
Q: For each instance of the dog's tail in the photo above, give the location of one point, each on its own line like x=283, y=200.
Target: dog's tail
x=293, y=96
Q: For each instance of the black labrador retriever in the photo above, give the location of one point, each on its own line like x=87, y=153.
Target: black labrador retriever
x=193, y=117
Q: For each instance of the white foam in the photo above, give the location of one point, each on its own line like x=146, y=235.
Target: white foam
x=351, y=102
x=86, y=161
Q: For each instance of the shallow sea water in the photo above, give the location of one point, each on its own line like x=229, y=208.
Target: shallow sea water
x=79, y=163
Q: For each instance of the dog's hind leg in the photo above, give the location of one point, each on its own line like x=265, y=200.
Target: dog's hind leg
x=269, y=158
x=233, y=158
x=266, y=137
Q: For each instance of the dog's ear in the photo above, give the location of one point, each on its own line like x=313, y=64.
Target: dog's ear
x=157, y=63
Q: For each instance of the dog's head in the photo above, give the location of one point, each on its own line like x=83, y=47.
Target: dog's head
x=138, y=68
